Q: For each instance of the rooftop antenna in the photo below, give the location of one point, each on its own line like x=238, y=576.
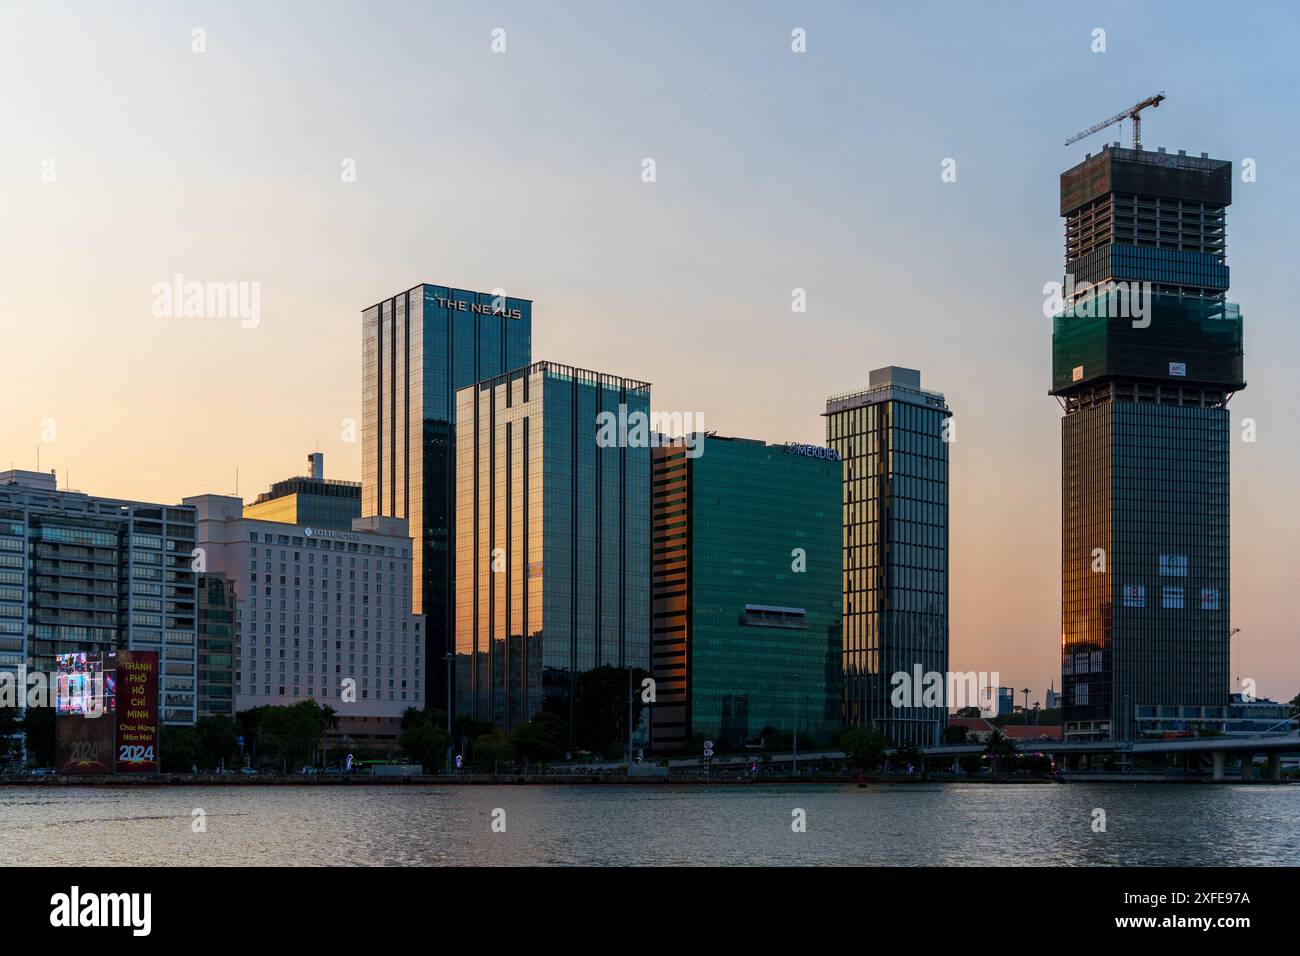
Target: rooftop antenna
x=1133, y=112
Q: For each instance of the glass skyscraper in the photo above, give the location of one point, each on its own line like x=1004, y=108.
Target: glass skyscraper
x=1146, y=353
x=893, y=439
x=552, y=539
x=746, y=592
x=419, y=347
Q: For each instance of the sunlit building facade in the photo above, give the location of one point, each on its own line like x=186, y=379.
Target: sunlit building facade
x=310, y=499
x=418, y=348
x=894, y=438
x=552, y=540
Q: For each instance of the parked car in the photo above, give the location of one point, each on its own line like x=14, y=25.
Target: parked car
x=248, y=771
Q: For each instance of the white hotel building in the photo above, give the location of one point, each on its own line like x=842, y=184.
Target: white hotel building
x=319, y=613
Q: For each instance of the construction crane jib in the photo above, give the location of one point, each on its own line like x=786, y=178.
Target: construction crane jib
x=1133, y=112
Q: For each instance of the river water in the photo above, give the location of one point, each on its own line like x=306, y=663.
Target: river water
x=950, y=824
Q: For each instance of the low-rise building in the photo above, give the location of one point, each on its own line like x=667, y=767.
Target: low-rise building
x=310, y=499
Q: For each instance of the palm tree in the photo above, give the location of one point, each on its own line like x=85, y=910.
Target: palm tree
x=330, y=719
x=1002, y=750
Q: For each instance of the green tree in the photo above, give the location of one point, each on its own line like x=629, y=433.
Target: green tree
x=1037, y=763
x=492, y=750
x=907, y=755
x=956, y=735
x=602, y=704
x=424, y=740
x=541, y=740
x=181, y=748
x=864, y=746
x=218, y=741
x=38, y=728
x=250, y=725
x=289, y=733
x=466, y=730
x=1002, y=750
x=10, y=725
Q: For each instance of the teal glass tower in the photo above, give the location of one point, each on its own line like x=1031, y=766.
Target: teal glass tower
x=552, y=541
x=746, y=592
x=894, y=437
x=418, y=348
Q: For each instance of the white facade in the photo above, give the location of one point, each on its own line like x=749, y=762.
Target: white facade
x=321, y=614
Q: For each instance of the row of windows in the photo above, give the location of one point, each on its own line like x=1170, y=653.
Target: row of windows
x=324, y=545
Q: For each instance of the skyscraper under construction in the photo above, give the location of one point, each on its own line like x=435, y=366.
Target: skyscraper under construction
x=1146, y=353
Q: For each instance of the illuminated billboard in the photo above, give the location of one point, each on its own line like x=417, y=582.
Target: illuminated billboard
x=137, y=712
x=106, y=712
x=83, y=705
x=82, y=686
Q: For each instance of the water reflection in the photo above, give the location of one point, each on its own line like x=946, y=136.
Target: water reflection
x=943, y=824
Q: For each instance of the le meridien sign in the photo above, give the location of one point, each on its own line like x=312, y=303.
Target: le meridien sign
x=477, y=307
x=812, y=451
x=327, y=533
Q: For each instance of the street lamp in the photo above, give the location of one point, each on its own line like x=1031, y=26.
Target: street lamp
x=1025, y=691
x=448, y=658
x=629, y=718
x=795, y=735
x=1231, y=634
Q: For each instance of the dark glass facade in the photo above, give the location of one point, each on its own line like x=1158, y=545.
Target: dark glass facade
x=418, y=348
x=893, y=439
x=1145, y=441
x=746, y=593
x=216, y=646
x=552, y=541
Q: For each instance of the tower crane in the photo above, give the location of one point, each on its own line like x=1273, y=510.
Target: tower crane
x=1133, y=113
